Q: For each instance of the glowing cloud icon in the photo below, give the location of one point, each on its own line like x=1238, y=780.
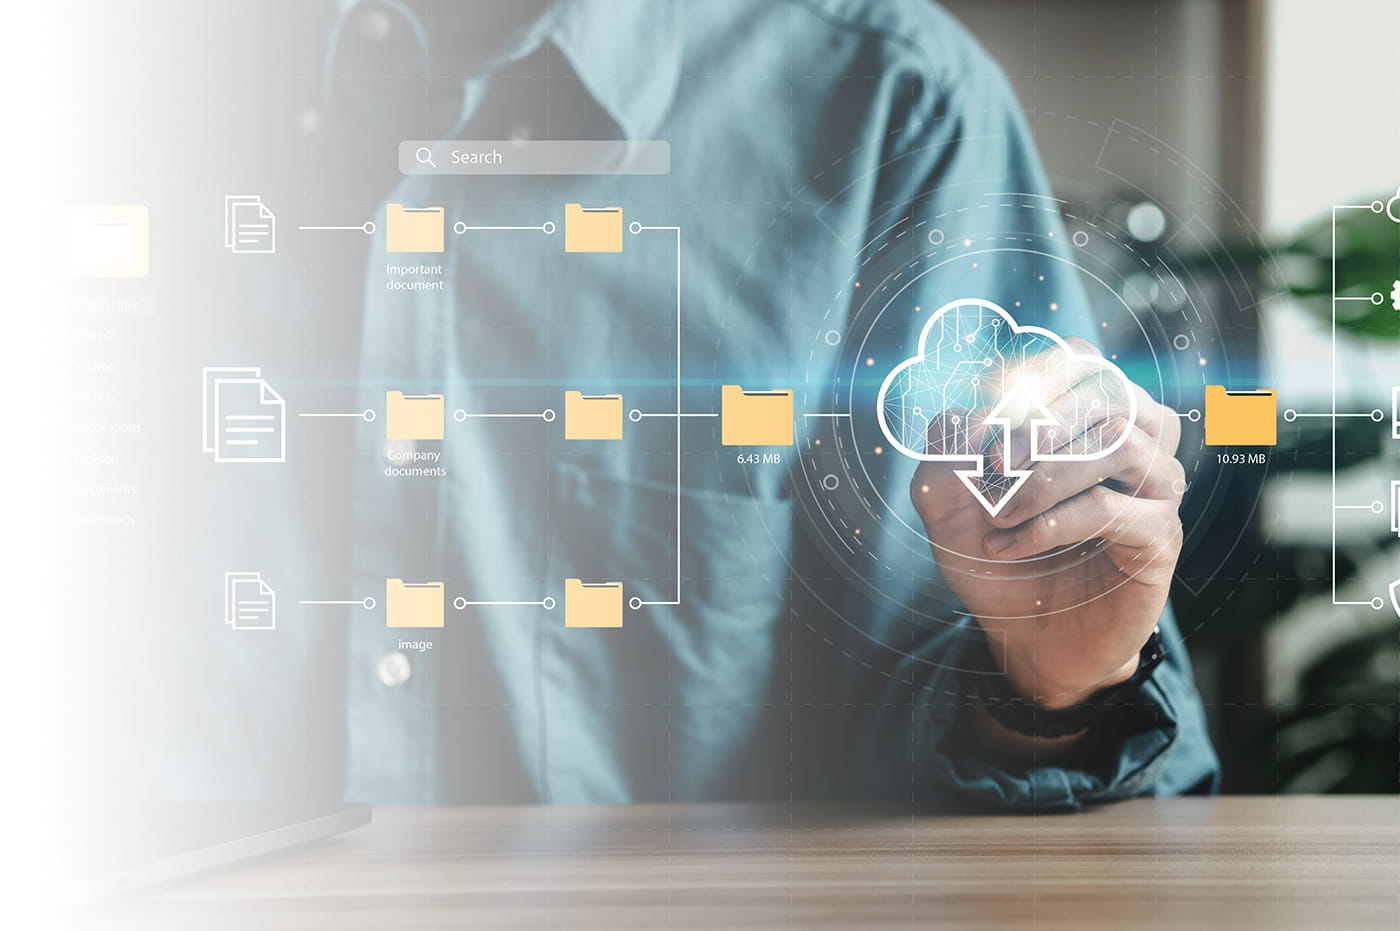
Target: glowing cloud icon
x=976, y=366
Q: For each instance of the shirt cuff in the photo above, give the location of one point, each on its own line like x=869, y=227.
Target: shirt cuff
x=1123, y=755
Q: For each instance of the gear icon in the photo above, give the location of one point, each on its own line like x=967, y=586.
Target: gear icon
x=1395, y=295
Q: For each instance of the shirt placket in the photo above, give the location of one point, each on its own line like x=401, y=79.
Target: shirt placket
x=391, y=692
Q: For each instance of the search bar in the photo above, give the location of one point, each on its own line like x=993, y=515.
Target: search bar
x=533, y=157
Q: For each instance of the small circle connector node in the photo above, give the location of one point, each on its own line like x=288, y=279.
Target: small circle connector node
x=1392, y=207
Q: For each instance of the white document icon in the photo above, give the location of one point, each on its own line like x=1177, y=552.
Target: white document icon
x=249, y=602
x=248, y=225
x=244, y=418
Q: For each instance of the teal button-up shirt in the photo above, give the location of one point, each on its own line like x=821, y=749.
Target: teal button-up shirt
x=826, y=155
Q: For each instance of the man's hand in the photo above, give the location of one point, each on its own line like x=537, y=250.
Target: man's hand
x=1070, y=577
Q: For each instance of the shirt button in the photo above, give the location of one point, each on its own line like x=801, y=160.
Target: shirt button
x=375, y=25
x=396, y=452
x=393, y=669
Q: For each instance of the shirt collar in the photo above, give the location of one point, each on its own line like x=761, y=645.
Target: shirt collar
x=627, y=54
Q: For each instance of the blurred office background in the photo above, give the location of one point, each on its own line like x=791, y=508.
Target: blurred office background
x=1208, y=140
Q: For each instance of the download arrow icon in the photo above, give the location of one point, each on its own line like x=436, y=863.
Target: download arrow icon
x=977, y=478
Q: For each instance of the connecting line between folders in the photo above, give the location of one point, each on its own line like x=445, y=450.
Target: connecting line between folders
x=367, y=603
x=546, y=227
x=636, y=229
x=1377, y=415
x=547, y=415
x=367, y=415
x=636, y=415
x=460, y=603
x=368, y=228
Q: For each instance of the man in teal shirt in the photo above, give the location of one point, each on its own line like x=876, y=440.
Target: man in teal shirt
x=798, y=637
x=807, y=138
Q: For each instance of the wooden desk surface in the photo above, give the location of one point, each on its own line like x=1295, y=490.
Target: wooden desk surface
x=1242, y=862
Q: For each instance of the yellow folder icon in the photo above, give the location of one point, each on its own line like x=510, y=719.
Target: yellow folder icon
x=592, y=229
x=592, y=416
x=412, y=416
x=413, y=604
x=592, y=604
x=412, y=229
x=755, y=418
x=1241, y=418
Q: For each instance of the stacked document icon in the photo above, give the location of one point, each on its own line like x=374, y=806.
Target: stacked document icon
x=413, y=416
x=413, y=604
x=249, y=602
x=592, y=229
x=592, y=604
x=755, y=418
x=103, y=241
x=413, y=229
x=592, y=416
x=244, y=418
x=1240, y=418
x=249, y=227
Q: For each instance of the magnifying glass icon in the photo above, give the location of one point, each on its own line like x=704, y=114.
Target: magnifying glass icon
x=424, y=156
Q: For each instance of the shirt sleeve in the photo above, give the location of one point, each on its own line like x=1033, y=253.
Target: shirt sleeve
x=963, y=174
x=1154, y=744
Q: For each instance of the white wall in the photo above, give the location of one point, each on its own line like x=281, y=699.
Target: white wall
x=1331, y=107
x=1331, y=136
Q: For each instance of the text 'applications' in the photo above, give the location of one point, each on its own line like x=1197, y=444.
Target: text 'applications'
x=103, y=241
x=244, y=419
x=413, y=229
x=1240, y=418
x=755, y=418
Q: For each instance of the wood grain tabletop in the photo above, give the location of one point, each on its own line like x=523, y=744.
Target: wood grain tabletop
x=1250, y=862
